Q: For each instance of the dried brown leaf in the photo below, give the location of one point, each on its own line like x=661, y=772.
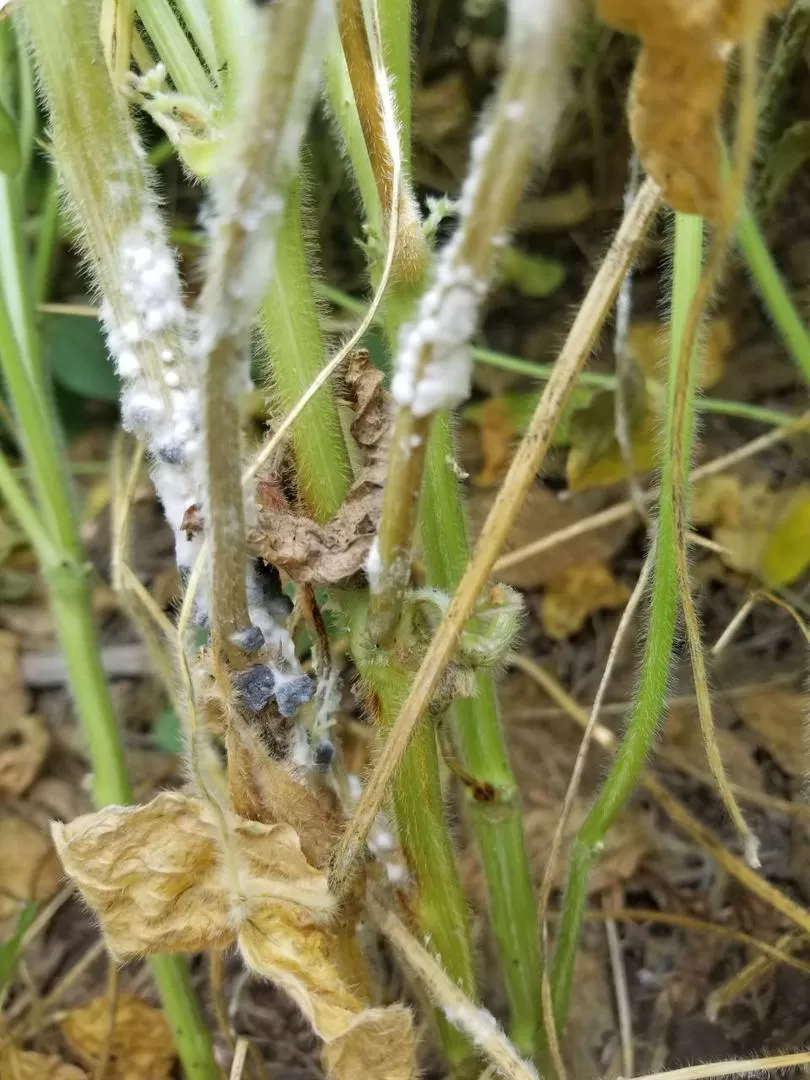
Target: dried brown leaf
x=31, y=870
x=336, y=552
x=161, y=877
x=777, y=718
x=141, y=1046
x=683, y=739
x=543, y=513
x=15, y=699
x=496, y=433
x=27, y=1065
x=24, y=744
x=576, y=595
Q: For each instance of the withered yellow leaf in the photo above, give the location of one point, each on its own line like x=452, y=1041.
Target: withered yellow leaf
x=282, y=943
x=170, y=877
x=715, y=500
x=27, y=1065
x=596, y=460
x=497, y=432
x=578, y=593
x=141, y=1045
x=378, y=1047
x=786, y=554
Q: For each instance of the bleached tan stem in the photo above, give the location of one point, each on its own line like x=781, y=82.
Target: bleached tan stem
x=286, y=46
x=476, y=1023
x=525, y=464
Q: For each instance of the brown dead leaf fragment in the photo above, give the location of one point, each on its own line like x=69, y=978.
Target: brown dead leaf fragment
x=777, y=719
x=678, y=88
x=496, y=433
x=24, y=740
x=31, y=870
x=26, y=1065
x=141, y=1046
x=336, y=552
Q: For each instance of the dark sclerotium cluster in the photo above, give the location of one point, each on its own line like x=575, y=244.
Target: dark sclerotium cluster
x=258, y=685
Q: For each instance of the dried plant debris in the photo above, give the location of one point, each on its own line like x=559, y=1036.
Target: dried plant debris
x=31, y=871
x=580, y=592
x=678, y=89
x=18, y=1064
x=336, y=552
x=179, y=874
x=141, y=1044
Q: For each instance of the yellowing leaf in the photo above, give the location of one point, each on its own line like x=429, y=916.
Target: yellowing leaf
x=141, y=1045
x=715, y=500
x=157, y=878
x=579, y=593
x=648, y=342
x=596, y=460
x=786, y=554
x=26, y=1065
x=496, y=442
x=685, y=46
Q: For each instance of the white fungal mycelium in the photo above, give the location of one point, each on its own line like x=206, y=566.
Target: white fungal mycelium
x=434, y=364
x=146, y=325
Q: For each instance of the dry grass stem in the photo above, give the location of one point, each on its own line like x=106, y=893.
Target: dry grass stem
x=622, y=996
x=525, y=464
x=741, y=1067
x=476, y=1023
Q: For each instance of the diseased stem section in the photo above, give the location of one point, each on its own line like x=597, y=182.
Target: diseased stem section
x=659, y=640
x=433, y=367
x=259, y=159
x=527, y=460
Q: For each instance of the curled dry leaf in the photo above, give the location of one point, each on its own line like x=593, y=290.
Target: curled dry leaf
x=169, y=876
x=156, y=878
x=580, y=592
x=26, y=1065
x=141, y=1046
x=336, y=552
x=683, y=59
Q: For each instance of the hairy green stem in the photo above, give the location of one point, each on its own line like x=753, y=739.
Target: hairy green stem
x=296, y=352
x=659, y=639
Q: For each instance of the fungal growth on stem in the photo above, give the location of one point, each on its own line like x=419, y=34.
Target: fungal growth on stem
x=433, y=363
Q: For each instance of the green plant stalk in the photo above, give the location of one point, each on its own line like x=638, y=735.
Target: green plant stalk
x=476, y=725
x=295, y=347
x=56, y=541
x=659, y=639
x=478, y=736
x=437, y=901
x=771, y=288
x=175, y=50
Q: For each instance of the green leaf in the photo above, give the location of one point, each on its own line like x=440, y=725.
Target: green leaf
x=78, y=357
x=533, y=275
x=10, y=157
x=10, y=950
